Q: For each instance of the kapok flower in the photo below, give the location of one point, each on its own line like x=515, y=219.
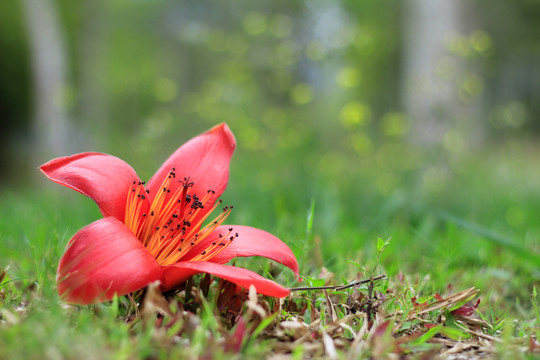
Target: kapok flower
x=157, y=231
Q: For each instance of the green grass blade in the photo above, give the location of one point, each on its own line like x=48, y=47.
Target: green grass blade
x=521, y=251
x=427, y=335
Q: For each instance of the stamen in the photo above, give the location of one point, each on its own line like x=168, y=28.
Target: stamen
x=171, y=255
x=213, y=249
x=136, y=207
x=170, y=227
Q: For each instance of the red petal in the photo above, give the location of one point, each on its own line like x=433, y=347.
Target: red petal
x=101, y=177
x=177, y=274
x=254, y=242
x=204, y=160
x=103, y=259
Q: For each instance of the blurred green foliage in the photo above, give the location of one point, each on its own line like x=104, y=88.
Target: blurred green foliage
x=311, y=90
x=293, y=79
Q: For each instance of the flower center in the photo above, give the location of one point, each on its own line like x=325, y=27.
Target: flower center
x=170, y=226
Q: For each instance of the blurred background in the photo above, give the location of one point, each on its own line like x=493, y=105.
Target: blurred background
x=377, y=112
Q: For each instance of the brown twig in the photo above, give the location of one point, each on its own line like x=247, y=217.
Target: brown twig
x=339, y=287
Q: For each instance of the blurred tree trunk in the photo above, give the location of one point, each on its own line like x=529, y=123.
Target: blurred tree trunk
x=429, y=98
x=50, y=124
x=92, y=105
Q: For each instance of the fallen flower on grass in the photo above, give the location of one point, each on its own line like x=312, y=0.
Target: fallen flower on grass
x=154, y=232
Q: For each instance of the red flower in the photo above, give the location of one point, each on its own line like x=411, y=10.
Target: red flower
x=155, y=231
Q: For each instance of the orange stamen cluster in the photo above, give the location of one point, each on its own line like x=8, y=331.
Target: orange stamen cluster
x=170, y=226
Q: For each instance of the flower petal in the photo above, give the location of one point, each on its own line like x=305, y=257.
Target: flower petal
x=175, y=275
x=101, y=177
x=250, y=242
x=103, y=259
x=204, y=160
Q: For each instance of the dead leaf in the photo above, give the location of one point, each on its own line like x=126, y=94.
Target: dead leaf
x=154, y=303
x=329, y=346
x=331, y=311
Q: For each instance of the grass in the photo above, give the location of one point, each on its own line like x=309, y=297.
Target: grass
x=475, y=227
